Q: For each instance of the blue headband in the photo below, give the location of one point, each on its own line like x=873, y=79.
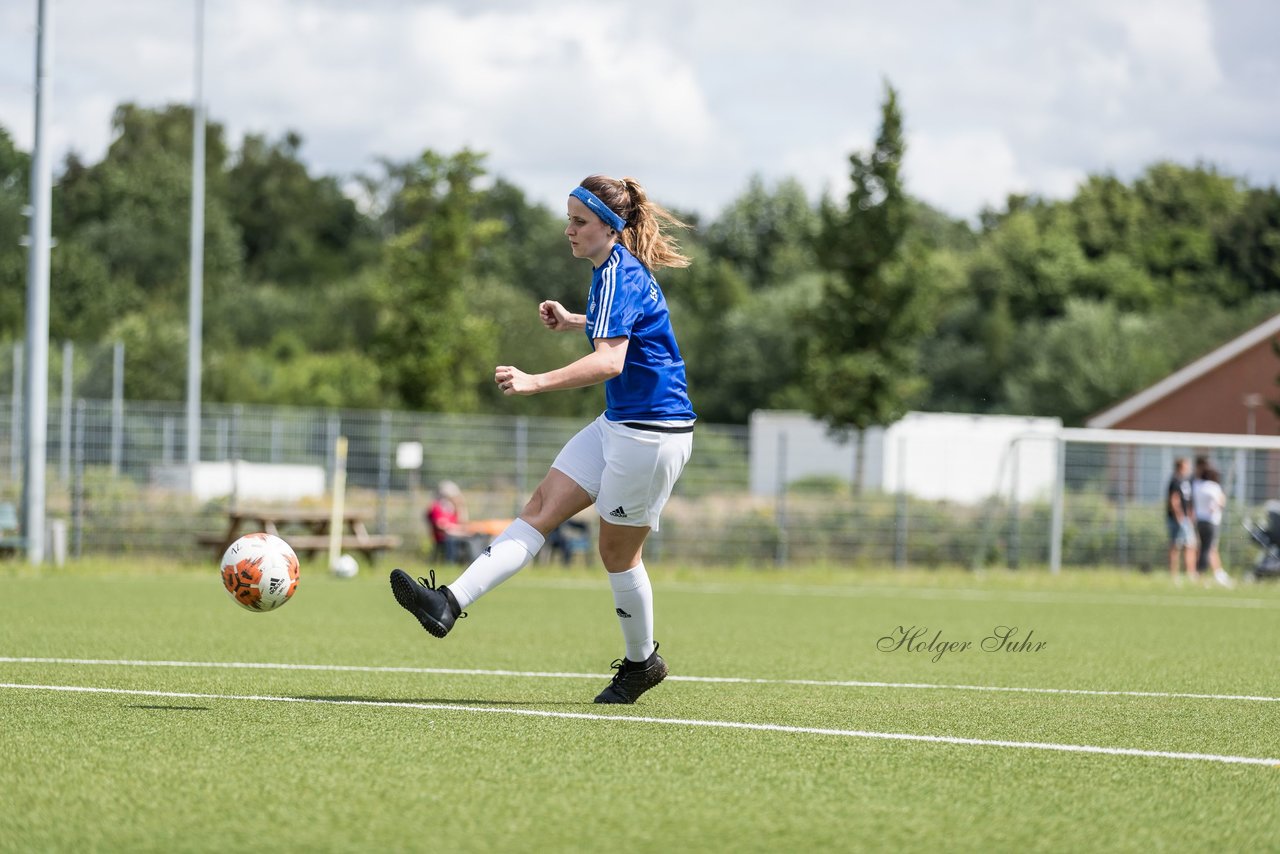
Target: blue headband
x=598, y=208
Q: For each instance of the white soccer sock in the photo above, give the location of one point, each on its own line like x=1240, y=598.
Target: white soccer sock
x=509, y=553
x=633, y=601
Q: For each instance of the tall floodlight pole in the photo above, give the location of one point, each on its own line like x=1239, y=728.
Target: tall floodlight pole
x=37, y=378
x=195, y=313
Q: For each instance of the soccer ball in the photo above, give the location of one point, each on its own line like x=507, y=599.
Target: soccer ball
x=345, y=567
x=260, y=571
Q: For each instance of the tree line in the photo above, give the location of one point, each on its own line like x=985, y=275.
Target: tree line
x=402, y=287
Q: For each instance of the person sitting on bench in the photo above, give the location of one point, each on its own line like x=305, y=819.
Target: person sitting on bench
x=445, y=518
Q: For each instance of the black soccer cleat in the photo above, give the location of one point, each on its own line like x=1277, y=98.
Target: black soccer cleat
x=435, y=607
x=633, y=678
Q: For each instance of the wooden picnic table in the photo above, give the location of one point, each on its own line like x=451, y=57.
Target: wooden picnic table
x=305, y=529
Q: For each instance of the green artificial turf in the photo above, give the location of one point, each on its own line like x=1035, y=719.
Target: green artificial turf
x=369, y=760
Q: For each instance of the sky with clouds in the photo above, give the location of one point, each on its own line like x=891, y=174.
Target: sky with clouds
x=693, y=98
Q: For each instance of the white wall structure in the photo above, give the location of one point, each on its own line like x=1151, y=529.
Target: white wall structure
x=969, y=458
x=810, y=451
x=246, y=481
x=933, y=455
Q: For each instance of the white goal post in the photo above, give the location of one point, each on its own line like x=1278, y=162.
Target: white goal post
x=1142, y=462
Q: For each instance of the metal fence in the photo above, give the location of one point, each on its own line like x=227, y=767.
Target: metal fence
x=108, y=459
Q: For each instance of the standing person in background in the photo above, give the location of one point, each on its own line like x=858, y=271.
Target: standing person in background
x=1180, y=521
x=627, y=460
x=1208, y=501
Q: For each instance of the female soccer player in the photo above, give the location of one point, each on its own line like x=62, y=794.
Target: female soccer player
x=627, y=460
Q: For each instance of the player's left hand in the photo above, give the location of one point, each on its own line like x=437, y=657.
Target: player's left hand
x=512, y=380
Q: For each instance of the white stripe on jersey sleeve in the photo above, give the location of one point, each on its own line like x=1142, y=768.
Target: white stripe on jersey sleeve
x=608, y=287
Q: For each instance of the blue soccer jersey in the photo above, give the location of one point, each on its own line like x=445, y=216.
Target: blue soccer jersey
x=626, y=302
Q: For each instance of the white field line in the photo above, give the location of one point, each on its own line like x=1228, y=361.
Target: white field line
x=538, y=674
x=1061, y=597
x=688, y=722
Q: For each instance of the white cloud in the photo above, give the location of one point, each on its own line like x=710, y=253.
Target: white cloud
x=963, y=172
x=1170, y=43
x=999, y=96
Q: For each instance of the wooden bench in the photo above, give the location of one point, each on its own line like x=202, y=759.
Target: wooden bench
x=305, y=529
x=370, y=545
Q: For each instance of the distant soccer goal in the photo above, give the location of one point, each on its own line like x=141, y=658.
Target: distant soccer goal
x=1106, y=505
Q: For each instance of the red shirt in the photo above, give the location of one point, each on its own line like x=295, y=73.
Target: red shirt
x=442, y=516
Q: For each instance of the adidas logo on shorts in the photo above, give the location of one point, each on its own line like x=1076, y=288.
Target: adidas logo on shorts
x=619, y=513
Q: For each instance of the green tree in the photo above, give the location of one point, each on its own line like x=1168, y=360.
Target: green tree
x=525, y=342
x=287, y=372
x=766, y=235
x=1079, y=363
x=532, y=253
x=1108, y=217
x=155, y=353
x=295, y=229
x=382, y=195
x=1183, y=208
x=15, y=171
x=937, y=232
x=133, y=208
x=1097, y=354
x=121, y=267
x=434, y=353
x=744, y=359
x=1249, y=243
x=859, y=360
x=85, y=303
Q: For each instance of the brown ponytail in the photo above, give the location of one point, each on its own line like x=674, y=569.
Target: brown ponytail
x=645, y=234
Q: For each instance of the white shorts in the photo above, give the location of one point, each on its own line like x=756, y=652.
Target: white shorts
x=628, y=472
